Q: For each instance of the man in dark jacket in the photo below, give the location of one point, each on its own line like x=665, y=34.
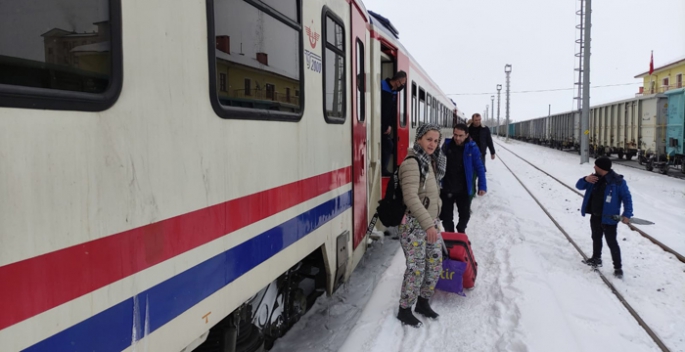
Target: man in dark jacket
x=481, y=135
x=605, y=190
x=389, y=89
x=463, y=158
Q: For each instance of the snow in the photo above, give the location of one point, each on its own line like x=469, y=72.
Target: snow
x=532, y=291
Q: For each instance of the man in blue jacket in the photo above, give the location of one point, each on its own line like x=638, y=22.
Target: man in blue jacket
x=463, y=159
x=605, y=190
x=389, y=89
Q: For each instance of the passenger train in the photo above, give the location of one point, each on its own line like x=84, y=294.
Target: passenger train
x=189, y=175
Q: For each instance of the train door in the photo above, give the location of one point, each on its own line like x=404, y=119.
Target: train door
x=393, y=61
x=359, y=123
x=402, y=135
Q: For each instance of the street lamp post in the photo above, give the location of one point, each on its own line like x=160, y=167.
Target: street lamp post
x=507, y=70
x=499, y=129
x=492, y=106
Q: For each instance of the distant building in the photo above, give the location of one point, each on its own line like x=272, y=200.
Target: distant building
x=86, y=51
x=251, y=82
x=663, y=78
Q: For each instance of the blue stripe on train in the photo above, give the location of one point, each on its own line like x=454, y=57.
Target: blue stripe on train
x=112, y=329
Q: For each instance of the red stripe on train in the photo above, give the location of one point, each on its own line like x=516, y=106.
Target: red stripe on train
x=37, y=284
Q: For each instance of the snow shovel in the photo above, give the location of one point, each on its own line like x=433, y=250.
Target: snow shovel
x=634, y=221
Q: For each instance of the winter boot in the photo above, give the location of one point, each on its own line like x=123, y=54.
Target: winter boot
x=424, y=308
x=407, y=318
x=618, y=273
x=593, y=262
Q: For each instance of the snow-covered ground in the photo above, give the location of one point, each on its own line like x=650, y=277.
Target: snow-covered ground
x=656, y=197
x=532, y=292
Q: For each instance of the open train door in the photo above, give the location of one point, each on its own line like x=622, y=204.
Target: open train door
x=402, y=135
x=359, y=123
x=392, y=61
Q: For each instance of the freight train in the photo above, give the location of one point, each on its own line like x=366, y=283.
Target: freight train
x=648, y=127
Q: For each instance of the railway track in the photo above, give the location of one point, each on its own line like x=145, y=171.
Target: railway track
x=631, y=226
x=674, y=173
x=634, y=164
x=606, y=281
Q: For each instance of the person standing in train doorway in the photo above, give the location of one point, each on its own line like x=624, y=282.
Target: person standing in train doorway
x=463, y=163
x=481, y=135
x=605, y=190
x=420, y=236
x=389, y=89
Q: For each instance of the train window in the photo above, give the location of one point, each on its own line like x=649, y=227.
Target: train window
x=441, y=112
x=429, y=109
x=334, y=68
x=422, y=106
x=60, y=54
x=361, y=82
x=403, y=107
x=257, y=45
x=435, y=111
x=413, y=105
x=285, y=8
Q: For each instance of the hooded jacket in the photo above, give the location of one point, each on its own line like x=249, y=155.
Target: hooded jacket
x=472, y=163
x=615, y=193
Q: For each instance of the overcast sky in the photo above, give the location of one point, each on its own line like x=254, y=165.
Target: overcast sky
x=464, y=45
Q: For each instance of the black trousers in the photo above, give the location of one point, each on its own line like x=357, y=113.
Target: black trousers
x=482, y=158
x=463, y=202
x=609, y=231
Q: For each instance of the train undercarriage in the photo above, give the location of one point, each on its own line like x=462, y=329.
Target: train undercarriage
x=661, y=162
x=268, y=315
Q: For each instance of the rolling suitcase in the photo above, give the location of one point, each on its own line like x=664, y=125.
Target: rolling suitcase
x=459, y=248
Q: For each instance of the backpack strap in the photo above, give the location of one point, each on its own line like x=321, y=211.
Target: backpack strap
x=421, y=177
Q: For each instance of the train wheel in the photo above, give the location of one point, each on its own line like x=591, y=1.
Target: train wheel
x=629, y=156
x=253, y=343
x=620, y=154
x=664, y=169
x=649, y=166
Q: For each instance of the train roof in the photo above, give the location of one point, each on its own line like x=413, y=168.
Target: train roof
x=384, y=25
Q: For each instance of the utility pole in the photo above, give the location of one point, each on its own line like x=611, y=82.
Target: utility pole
x=585, y=115
x=507, y=70
x=492, y=106
x=499, y=129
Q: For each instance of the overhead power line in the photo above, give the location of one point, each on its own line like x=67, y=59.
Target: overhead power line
x=548, y=90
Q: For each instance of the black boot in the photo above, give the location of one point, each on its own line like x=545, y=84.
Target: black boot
x=618, y=273
x=424, y=308
x=407, y=318
x=593, y=262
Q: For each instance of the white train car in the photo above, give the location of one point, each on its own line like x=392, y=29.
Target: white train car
x=631, y=127
x=176, y=173
x=564, y=130
x=615, y=128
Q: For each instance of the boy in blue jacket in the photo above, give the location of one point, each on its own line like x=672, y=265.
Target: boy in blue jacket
x=463, y=160
x=605, y=190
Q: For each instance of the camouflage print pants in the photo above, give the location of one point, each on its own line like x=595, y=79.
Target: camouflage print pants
x=424, y=263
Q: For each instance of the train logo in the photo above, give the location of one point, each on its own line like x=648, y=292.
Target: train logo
x=313, y=36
